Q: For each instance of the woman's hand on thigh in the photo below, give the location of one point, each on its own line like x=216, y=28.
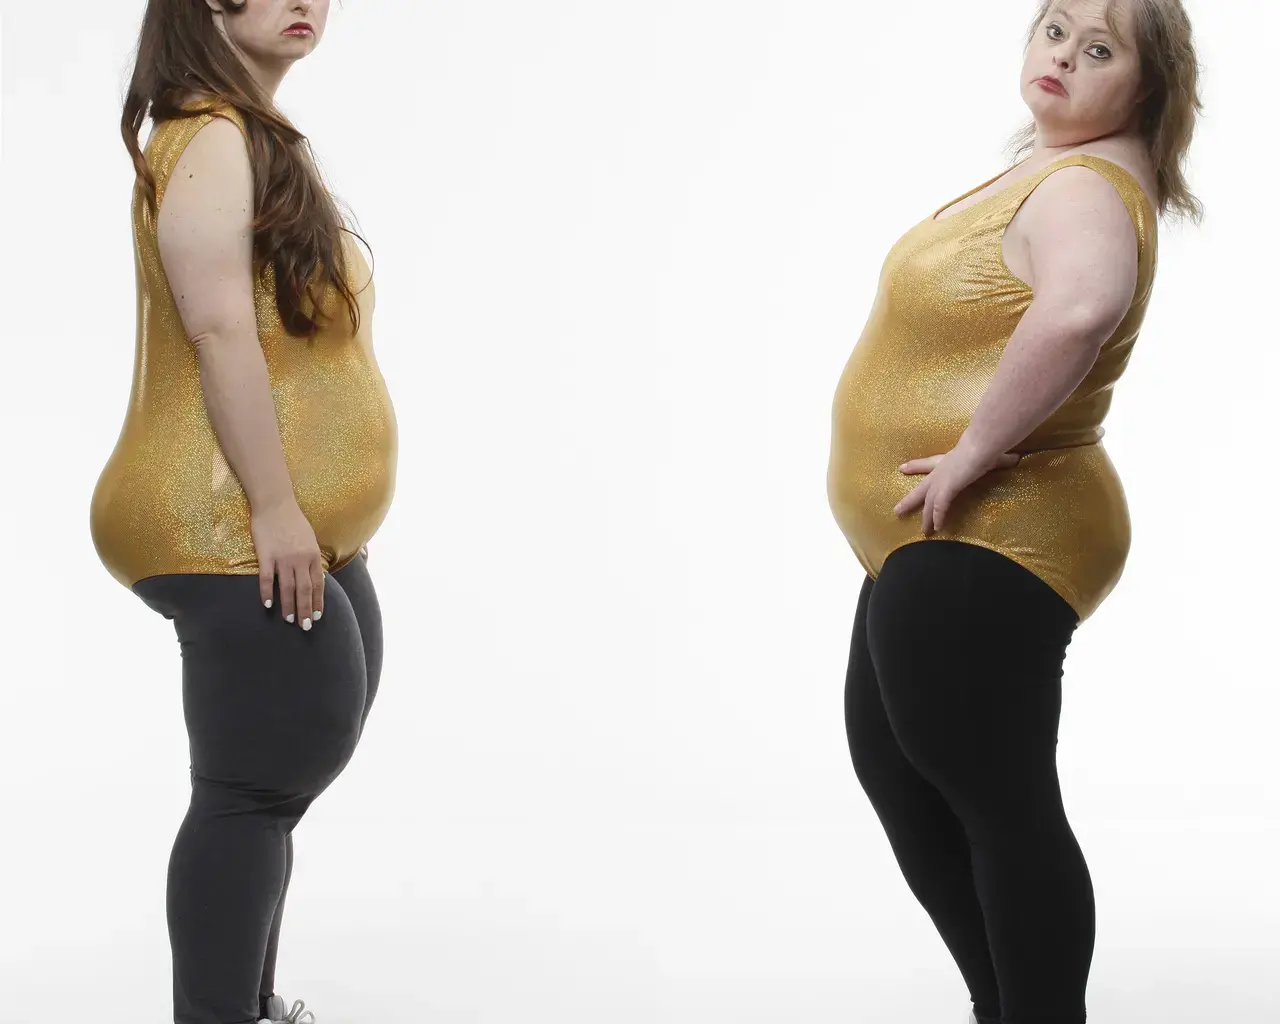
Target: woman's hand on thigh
x=288, y=552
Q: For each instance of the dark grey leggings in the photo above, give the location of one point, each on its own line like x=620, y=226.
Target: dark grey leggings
x=273, y=714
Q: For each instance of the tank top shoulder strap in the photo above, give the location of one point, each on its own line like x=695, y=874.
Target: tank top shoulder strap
x=1130, y=191
x=170, y=138
x=1141, y=211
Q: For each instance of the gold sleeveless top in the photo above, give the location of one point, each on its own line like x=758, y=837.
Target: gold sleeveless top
x=945, y=308
x=167, y=501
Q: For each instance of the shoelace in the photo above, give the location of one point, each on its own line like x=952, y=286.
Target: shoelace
x=299, y=1014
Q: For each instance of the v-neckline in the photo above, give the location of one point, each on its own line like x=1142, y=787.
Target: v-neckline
x=937, y=219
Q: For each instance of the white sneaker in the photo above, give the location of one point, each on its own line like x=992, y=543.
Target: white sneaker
x=299, y=1014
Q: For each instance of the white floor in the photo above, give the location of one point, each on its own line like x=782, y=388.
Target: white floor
x=495, y=922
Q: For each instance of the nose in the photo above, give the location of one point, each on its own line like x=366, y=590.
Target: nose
x=1061, y=59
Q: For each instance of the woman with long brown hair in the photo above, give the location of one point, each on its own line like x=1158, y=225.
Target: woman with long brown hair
x=968, y=475
x=256, y=460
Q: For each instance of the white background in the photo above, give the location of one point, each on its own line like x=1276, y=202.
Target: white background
x=623, y=252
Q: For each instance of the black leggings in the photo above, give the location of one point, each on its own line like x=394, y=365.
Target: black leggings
x=952, y=703
x=273, y=714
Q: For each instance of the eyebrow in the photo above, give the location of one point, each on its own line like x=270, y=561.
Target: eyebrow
x=1097, y=27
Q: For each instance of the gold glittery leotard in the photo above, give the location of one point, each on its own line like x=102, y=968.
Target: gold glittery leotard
x=167, y=501
x=945, y=308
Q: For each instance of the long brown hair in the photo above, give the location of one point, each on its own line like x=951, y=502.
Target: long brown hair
x=1171, y=82
x=297, y=226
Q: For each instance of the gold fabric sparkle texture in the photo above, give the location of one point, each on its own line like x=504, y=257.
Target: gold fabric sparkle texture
x=945, y=308
x=167, y=501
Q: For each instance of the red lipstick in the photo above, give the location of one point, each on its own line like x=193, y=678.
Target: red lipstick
x=300, y=28
x=1051, y=84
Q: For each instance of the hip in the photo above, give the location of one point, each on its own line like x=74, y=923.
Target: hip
x=149, y=523
x=252, y=682
x=1062, y=514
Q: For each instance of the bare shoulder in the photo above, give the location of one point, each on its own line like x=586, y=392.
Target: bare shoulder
x=205, y=224
x=1072, y=192
x=205, y=233
x=1076, y=203
x=217, y=146
x=1130, y=156
x=211, y=180
x=1075, y=239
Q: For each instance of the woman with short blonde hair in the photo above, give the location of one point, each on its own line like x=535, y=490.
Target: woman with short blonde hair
x=968, y=474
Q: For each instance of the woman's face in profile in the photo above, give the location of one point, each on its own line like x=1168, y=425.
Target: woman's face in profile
x=1099, y=71
x=271, y=31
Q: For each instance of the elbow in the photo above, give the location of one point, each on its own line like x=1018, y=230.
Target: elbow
x=209, y=349
x=222, y=342
x=1084, y=324
x=202, y=342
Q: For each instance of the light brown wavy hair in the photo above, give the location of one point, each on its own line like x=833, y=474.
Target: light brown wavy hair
x=1167, y=118
x=297, y=225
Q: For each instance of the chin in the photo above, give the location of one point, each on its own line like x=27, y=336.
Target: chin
x=1040, y=103
x=296, y=49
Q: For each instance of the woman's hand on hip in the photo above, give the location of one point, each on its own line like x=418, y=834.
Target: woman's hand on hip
x=945, y=477
x=287, y=550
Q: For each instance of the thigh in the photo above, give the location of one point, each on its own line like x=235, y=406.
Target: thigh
x=269, y=707
x=871, y=742
x=968, y=647
x=358, y=586
x=907, y=803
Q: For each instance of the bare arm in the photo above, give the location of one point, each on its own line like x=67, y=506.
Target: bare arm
x=206, y=245
x=1084, y=269
x=205, y=237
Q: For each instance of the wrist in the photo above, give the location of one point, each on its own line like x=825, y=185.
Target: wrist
x=972, y=446
x=271, y=502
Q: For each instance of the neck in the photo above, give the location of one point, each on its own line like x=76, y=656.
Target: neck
x=1054, y=139
x=266, y=76
x=1049, y=144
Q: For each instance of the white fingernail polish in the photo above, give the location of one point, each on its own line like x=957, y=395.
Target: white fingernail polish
x=306, y=624
x=317, y=615
x=289, y=618
x=267, y=603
